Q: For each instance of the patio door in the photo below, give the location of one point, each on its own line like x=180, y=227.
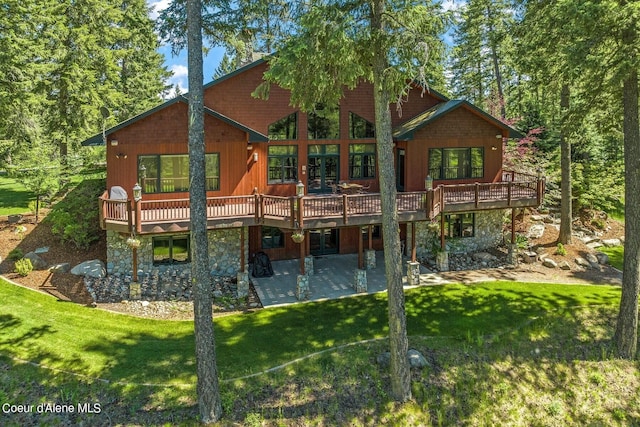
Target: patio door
x=324, y=241
x=323, y=167
x=400, y=169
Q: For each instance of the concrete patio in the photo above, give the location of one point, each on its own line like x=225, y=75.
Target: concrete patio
x=333, y=277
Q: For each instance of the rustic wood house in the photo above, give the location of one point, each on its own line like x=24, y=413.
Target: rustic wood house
x=276, y=176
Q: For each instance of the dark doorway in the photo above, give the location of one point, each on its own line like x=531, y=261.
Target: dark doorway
x=323, y=167
x=324, y=241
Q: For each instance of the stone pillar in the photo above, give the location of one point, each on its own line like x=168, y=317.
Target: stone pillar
x=512, y=254
x=308, y=265
x=243, y=284
x=360, y=280
x=413, y=273
x=302, y=287
x=135, y=293
x=442, y=260
x=370, y=259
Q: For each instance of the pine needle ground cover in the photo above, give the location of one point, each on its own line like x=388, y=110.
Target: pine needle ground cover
x=480, y=340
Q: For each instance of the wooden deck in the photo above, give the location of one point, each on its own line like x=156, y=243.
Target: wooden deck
x=320, y=211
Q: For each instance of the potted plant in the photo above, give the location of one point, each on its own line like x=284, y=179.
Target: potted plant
x=133, y=243
x=297, y=237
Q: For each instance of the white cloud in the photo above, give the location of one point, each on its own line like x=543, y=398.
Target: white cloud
x=179, y=71
x=448, y=5
x=157, y=7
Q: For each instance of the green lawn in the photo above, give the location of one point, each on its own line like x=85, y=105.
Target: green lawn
x=14, y=198
x=616, y=256
x=38, y=328
x=499, y=353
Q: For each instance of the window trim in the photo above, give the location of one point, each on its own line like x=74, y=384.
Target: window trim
x=363, y=166
x=170, y=260
x=439, y=172
x=282, y=167
x=295, y=127
x=449, y=228
x=158, y=180
x=353, y=116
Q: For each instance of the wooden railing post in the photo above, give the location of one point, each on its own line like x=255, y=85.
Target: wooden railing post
x=129, y=215
x=509, y=193
x=138, y=218
x=257, y=208
x=345, y=204
x=428, y=204
x=301, y=212
x=477, y=194
x=292, y=206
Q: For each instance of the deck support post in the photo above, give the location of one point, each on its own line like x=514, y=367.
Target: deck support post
x=360, y=249
x=413, y=273
x=370, y=235
x=442, y=245
x=513, y=226
x=302, y=247
x=242, y=243
x=413, y=242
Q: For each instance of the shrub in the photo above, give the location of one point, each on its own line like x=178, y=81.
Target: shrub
x=560, y=250
x=75, y=218
x=15, y=254
x=24, y=267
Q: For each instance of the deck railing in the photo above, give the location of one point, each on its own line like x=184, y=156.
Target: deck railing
x=294, y=211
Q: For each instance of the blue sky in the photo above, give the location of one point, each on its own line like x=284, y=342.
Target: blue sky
x=178, y=64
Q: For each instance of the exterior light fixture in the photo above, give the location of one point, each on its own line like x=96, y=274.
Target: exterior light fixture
x=494, y=148
x=114, y=142
x=428, y=183
x=249, y=147
x=300, y=189
x=137, y=192
x=255, y=157
x=499, y=136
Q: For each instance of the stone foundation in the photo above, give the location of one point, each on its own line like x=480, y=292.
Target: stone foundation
x=243, y=284
x=308, y=265
x=360, y=280
x=369, y=259
x=302, y=287
x=488, y=234
x=442, y=261
x=224, y=254
x=413, y=273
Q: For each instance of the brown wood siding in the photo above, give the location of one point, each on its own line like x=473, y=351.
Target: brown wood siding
x=459, y=128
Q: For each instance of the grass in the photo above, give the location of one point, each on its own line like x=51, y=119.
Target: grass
x=485, y=343
x=616, y=255
x=14, y=198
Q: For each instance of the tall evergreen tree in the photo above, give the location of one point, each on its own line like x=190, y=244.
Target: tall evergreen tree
x=209, y=404
x=337, y=45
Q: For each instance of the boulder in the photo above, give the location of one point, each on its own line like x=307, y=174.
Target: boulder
x=63, y=267
x=483, y=257
x=582, y=262
x=548, y=262
x=37, y=262
x=93, y=268
x=595, y=244
x=611, y=242
x=537, y=218
x=593, y=260
x=536, y=231
x=602, y=258
x=416, y=359
x=564, y=265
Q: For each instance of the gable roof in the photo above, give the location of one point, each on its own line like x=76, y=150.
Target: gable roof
x=406, y=130
x=98, y=139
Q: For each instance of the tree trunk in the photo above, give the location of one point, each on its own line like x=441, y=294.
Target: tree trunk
x=566, y=215
x=398, y=342
x=496, y=65
x=209, y=403
x=626, y=336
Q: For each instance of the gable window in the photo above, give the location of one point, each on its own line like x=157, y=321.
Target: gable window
x=460, y=225
x=285, y=128
x=323, y=122
x=168, y=173
x=171, y=249
x=360, y=128
x=362, y=161
x=456, y=163
x=283, y=164
x=272, y=237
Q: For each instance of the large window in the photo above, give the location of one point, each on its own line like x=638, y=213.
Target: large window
x=360, y=128
x=362, y=161
x=272, y=237
x=459, y=225
x=456, y=163
x=169, y=173
x=285, y=128
x=171, y=249
x=323, y=122
x=283, y=164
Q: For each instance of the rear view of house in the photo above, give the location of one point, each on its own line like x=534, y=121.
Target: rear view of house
x=295, y=185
